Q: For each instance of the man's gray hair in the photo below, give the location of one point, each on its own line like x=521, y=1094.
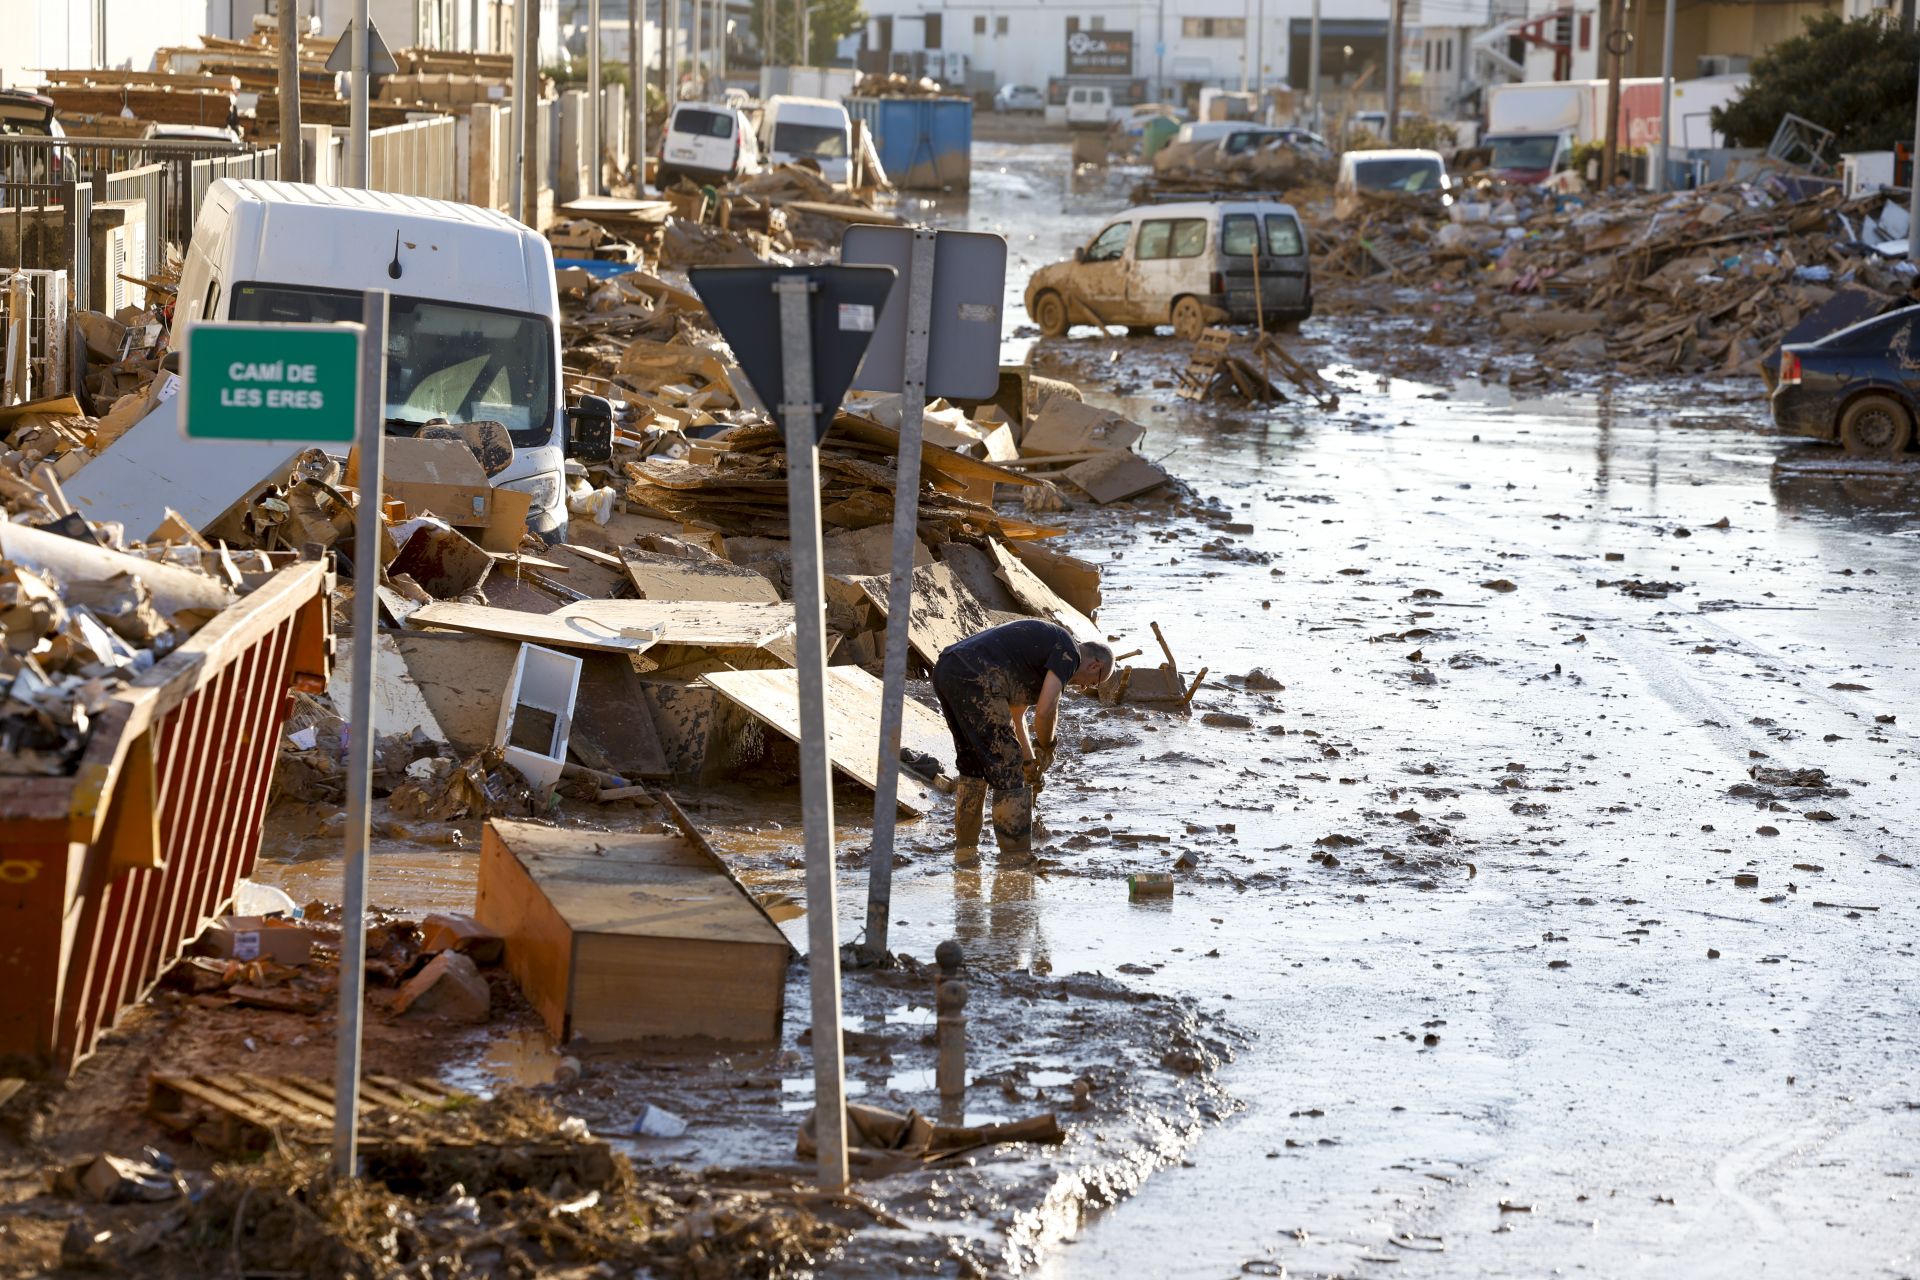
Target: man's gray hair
x=1096, y=652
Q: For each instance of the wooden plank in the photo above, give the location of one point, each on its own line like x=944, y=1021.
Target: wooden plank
x=943, y=611
x=663, y=577
x=1038, y=598
x=1115, y=476
x=853, y=722
x=562, y=630
x=1069, y=426
x=933, y=458
x=539, y=946
x=715, y=624
x=1074, y=580
x=701, y=845
x=695, y=990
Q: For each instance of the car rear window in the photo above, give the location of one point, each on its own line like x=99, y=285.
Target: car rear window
x=704, y=124
x=1171, y=238
x=1283, y=236
x=1397, y=175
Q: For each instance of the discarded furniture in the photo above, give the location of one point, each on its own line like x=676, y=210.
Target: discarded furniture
x=536, y=716
x=107, y=873
x=619, y=937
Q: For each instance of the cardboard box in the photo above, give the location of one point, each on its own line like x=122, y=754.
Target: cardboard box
x=256, y=938
x=438, y=476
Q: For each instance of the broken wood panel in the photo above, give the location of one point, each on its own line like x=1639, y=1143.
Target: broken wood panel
x=663, y=577
x=853, y=722
x=1115, y=476
x=943, y=612
x=726, y=624
x=1038, y=599
x=557, y=629
x=630, y=937
x=1073, y=579
x=1069, y=426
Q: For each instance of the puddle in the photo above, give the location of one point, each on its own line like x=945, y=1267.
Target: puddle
x=520, y=1058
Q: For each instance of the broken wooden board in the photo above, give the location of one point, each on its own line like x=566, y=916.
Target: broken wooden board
x=1115, y=476
x=663, y=577
x=853, y=723
x=855, y=553
x=1037, y=598
x=978, y=572
x=1074, y=580
x=461, y=677
x=720, y=624
x=556, y=629
x=943, y=612
x=623, y=937
x=1070, y=426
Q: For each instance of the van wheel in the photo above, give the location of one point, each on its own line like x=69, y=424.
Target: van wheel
x=1189, y=319
x=1050, y=313
x=1875, y=426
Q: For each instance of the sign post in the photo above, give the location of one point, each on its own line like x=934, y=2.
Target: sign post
x=951, y=306
x=317, y=384
x=807, y=346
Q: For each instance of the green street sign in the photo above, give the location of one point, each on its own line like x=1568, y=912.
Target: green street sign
x=285, y=383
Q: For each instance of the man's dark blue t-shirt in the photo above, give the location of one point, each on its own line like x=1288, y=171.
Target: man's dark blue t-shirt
x=1025, y=651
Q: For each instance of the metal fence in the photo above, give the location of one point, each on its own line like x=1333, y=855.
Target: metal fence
x=38, y=223
x=33, y=335
x=103, y=164
x=415, y=159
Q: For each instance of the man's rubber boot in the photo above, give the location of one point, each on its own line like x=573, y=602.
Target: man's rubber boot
x=1013, y=820
x=969, y=810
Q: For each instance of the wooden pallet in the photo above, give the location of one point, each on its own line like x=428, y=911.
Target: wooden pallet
x=245, y=1112
x=1209, y=357
x=1306, y=379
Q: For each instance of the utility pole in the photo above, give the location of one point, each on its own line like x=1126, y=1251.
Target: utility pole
x=1610, y=156
x=1663, y=175
x=1160, y=54
x=517, y=160
x=1246, y=50
x=699, y=77
x=1396, y=27
x=593, y=96
x=1313, y=66
x=637, y=92
x=529, y=108
x=1260, y=56
x=1913, y=199
x=292, y=167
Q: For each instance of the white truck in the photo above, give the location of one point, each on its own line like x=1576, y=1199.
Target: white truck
x=1533, y=127
x=473, y=327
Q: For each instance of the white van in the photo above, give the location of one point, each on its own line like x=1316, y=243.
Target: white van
x=1404, y=172
x=1089, y=106
x=811, y=129
x=708, y=142
x=1189, y=264
x=473, y=329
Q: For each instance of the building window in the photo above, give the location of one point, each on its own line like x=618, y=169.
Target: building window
x=1586, y=32
x=1098, y=22
x=933, y=32
x=1000, y=26
x=979, y=24
x=1073, y=25
x=1214, y=28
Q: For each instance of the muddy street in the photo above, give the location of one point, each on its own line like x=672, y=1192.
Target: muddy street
x=1539, y=964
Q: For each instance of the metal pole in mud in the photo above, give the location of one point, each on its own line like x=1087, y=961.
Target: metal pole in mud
x=1313, y=66
x=797, y=414
x=906, y=535
x=366, y=619
x=1913, y=200
x=1661, y=177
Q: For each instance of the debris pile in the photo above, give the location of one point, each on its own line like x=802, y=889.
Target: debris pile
x=1206, y=167
x=1697, y=281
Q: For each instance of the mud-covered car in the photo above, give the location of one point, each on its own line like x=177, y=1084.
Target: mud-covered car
x=1188, y=264
x=1859, y=386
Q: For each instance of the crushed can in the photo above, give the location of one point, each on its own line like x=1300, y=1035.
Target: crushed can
x=1149, y=884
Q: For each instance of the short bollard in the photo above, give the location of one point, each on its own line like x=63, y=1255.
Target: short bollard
x=950, y=1004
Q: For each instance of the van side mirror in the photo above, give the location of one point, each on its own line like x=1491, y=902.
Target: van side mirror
x=590, y=430
x=1079, y=253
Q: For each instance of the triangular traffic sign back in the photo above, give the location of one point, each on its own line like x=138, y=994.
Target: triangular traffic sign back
x=843, y=308
x=379, y=58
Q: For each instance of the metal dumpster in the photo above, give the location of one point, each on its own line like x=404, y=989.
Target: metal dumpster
x=925, y=144
x=106, y=874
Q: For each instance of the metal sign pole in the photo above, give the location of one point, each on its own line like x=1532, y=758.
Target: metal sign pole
x=797, y=414
x=360, y=112
x=593, y=95
x=353, y=896
x=906, y=534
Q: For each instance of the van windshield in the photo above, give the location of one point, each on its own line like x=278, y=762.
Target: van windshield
x=827, y=141
x=1528, y=151
x=444, y=360
x=1397, y=175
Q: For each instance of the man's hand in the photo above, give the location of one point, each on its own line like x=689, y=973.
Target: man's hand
x=1035, y=774
x=1043, y=756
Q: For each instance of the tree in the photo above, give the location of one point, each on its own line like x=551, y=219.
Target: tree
x=832, y=20
x=1855, y=77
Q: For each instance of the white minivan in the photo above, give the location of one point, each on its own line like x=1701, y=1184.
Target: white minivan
x=808, y=129
x=708, y=142
x=1089, y=106
x=472, y=327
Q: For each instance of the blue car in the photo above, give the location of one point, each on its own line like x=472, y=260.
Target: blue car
x=1859, y=387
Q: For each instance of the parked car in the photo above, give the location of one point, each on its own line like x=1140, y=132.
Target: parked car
x=1009, y=98
x=473, y=330
x=1389, y=173
x=1859, y=387
x=808, y=128
x=1089, y=106
x=707, y=142
x=1188, y=264
x=190, y=133
x=30, y=115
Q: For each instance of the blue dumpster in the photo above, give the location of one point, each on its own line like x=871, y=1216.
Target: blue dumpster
x=926, y=144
